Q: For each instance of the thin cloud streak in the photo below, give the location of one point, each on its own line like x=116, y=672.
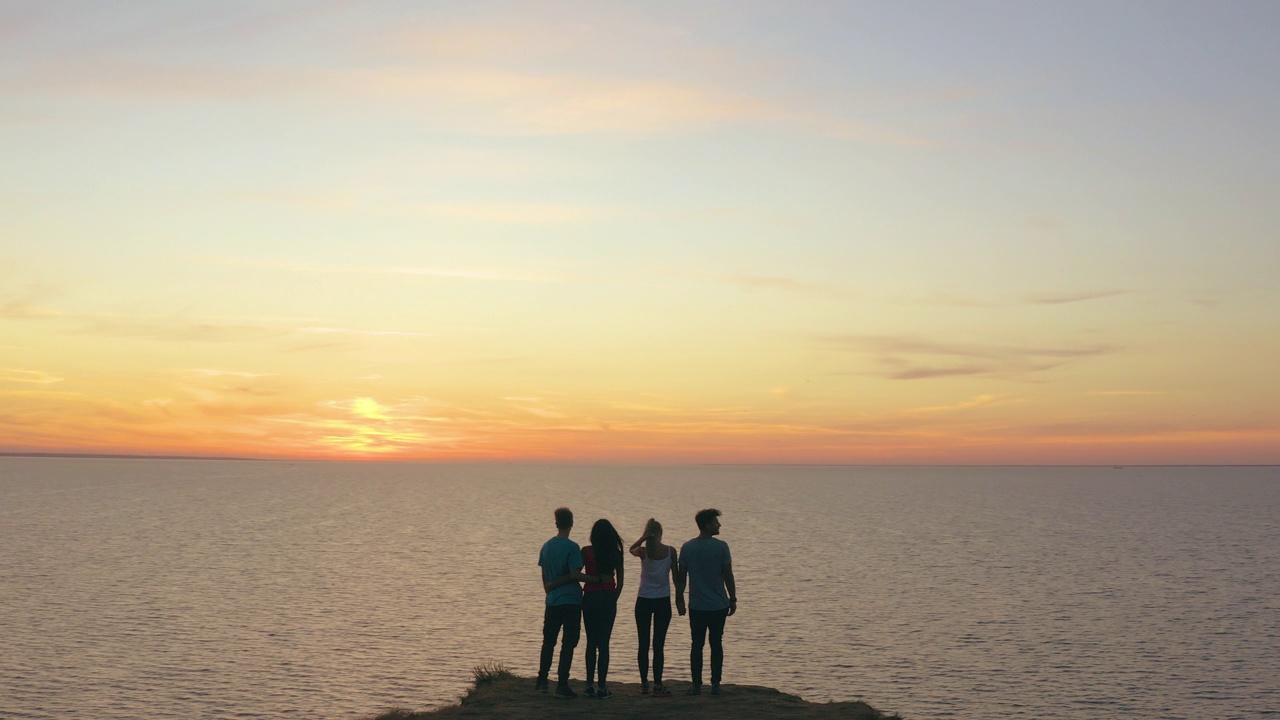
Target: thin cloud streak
x=428, y=272
x=751, y=282
x=904, y=357
x=1063, y=298
x=35, y=377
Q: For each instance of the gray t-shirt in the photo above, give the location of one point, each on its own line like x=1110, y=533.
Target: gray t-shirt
x=705, y=561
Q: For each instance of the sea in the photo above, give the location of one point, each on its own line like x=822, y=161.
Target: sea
x=254, y=589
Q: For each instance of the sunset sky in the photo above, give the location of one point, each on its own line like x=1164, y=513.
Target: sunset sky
x=882, y=232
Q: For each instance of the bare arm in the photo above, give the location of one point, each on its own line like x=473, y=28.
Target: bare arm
x=635, y=546
x=680, y=576
x=575, y=575
x=622, y=571
x=731, y=587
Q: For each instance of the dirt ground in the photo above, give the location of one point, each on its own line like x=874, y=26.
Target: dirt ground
x=508, y=697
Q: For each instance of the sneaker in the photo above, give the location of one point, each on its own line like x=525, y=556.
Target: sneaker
x=563, y=691
x=715, y=688
x=695, y=689
x=644, y=687
x=540, y=685
x=590, y=691
x=604, y=693
x=661, y=690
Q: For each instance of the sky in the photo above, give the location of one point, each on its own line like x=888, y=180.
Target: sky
x=729, y=232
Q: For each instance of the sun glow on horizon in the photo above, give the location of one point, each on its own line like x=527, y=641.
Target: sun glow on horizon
x=823, y=233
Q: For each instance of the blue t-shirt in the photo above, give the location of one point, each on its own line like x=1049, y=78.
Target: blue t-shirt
x=705, y=561
x=559, y=556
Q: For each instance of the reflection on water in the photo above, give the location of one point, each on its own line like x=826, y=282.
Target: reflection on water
x=181, y=589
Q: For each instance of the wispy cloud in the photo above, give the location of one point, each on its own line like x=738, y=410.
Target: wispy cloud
x=211, y=373
x=777, y=282
x=387, y=204
x=448, y=83
x=952, y=299
x=182, y=328
x=37, y=377
x=1061, y=298
x=444, y=273
x=25, y=304
x=914, y=358
x=352, y=331
x=753, y=282
x=970, y=404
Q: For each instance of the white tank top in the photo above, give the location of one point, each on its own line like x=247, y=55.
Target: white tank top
x=655, y=576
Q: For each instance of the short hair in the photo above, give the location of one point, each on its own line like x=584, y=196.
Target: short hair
x=705, y=516
x=564, y=517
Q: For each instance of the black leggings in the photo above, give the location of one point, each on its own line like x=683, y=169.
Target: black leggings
x=657, y=610
x=599, y=610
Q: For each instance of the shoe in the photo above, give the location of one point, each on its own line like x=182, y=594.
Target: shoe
x=644, y=687
x=540, y=685
x=590, y=691
x=563, y=692
x=695, y=690
x=660, y=690
x=715, y=688
x=603, y=693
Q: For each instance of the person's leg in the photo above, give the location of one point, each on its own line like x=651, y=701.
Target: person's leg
x=590, y=622
x=715, y=624
x=698, y=628
x=551, y=622
x=643, y=616
x=661, y=621
x=569, y=639
x=608, y=615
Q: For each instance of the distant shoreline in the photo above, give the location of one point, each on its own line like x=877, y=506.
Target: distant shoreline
x=116, y=456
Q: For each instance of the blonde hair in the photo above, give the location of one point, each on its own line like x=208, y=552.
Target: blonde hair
x=653, y=529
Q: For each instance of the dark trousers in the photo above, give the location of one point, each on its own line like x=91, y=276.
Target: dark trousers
x=658, y=612
x=599, y=610
x=701, y=622
x=568, y=617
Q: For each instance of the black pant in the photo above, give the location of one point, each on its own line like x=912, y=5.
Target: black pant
x=555, y=617
x=599, y=610
x=657, y=611
x=700, y=621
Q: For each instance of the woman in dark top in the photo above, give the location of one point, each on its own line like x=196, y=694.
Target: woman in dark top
x=603, y=561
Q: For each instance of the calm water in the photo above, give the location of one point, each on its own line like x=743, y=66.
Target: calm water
x=187, y=589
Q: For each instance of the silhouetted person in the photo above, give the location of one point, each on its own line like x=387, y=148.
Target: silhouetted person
x=561, y=563
x=603, y=559
x=653, y=602
x=705, y=561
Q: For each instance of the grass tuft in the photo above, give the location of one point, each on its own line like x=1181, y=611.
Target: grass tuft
x=490, y=671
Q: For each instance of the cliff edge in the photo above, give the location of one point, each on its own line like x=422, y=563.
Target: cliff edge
x=500, y=695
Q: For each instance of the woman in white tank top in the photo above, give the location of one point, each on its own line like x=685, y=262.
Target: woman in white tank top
x=653, y=602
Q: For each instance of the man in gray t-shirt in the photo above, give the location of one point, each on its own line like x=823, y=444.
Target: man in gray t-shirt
x=561, y=563
x=707, y=565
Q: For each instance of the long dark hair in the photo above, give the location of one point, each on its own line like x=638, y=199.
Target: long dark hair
x=606, y=545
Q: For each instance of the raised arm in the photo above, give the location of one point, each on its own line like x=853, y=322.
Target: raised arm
x=635, y=546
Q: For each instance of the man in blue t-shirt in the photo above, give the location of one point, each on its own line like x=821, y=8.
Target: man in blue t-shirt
x=713, y=596
x=561, y=562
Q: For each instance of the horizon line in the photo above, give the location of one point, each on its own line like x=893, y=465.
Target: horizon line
x=136, y=456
